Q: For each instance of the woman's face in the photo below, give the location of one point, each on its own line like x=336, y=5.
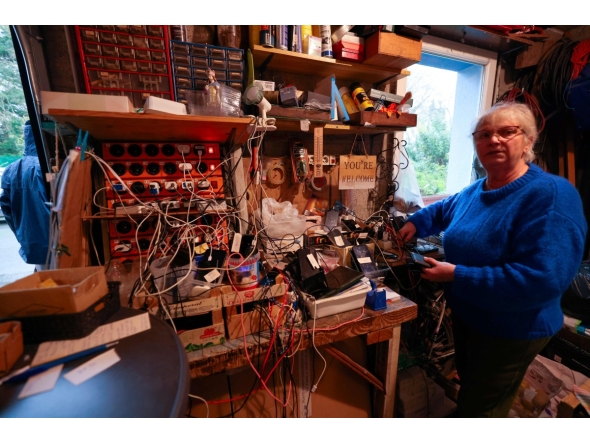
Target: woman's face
x=500, y=143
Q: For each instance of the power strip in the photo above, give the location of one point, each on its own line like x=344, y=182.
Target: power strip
x=327, y=160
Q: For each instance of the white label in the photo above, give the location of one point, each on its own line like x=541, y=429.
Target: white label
x=364, y=260
x=93, y=367
x=363, y=235
x=304, y=125
x=43, y=382
x=212, y=275
x=235, y=246
x=339, y=241
x=312, y=261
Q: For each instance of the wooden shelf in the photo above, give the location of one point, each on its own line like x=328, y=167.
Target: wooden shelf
x=297, y=63
x=123, y=127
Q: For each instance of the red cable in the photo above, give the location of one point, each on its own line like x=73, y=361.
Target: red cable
x=580, y=57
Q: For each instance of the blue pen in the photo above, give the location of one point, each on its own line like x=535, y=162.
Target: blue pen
x=28, y=371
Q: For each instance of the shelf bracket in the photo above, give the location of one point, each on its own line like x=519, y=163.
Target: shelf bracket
x=264, y=65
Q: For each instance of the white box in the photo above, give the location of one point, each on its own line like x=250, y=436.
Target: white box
x=348, y=300
x=265, y=85
x=156, y=105
x=84, y=102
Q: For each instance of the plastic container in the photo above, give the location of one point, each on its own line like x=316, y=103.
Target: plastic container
x=244, y=274
x=229, y=35
x=348, y=300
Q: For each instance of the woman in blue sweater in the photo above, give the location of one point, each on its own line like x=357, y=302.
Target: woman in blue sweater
x=513, y=243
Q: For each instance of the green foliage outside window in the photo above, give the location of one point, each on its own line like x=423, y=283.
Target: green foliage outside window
x=13, y=110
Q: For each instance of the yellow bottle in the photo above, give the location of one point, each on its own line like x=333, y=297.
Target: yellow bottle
x=305, y=32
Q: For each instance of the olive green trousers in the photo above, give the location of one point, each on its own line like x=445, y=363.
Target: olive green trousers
x=490, y=370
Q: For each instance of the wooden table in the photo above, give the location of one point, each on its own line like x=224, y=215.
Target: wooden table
x=382, y=328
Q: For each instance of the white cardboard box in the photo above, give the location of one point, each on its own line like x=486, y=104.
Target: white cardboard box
x=156, y=105
x=85, y=102
x=348, y=300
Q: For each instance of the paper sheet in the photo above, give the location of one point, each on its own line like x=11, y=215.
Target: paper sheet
x=43, y=382
x=391, y=295
x=93, y=367
x=49, y=351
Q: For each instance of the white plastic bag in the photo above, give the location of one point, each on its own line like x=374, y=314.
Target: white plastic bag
x=408, y=194
x=281, y=219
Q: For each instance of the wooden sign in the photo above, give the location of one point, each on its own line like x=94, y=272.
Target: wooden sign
x=357, y=172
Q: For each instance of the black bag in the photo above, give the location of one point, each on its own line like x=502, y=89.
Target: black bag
x=576, y=299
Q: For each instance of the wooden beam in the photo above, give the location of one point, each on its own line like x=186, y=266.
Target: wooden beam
x=379, y=336
x=357, y=368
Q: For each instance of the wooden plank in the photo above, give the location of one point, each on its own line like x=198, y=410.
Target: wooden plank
x=357, y=368
x=386, y=371
x=392, y=51
x=154, y=127
x=293, y=62
x=532, y=54
x=379, y=336
x=334, y=328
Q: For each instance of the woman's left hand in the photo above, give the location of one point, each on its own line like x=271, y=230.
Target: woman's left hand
x=439, y=271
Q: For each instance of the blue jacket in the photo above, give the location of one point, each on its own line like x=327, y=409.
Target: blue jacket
x=516, y=249
x=22, y=200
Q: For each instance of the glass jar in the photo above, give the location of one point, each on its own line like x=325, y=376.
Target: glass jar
x=229, y=35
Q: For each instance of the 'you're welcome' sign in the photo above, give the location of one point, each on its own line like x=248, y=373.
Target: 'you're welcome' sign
x=357, y=172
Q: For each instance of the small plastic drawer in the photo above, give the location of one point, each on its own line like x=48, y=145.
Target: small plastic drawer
x=108, y=37
x=140, y=42
x=235, y=54
x=157, y=44
x=220, y=75
x=127, y=65
x=142, y=54
x=106, y=27
x=158, y=56
x=182, y=93
x=155, y=31
x=218, y=65
x=160, y=68
x=124, y=39
x=138, y=29
x=200, y=62
x=106, y=79
x=127, y=53
x=184, y=82
x=111, y=64
x=181, y=59
x=183, y=71
x=235, y=65
x=151, y=83
x=200, y=84
x=90, y=35
x=217, y=53
x=199, y=50
x=91, y=48
x=235, y=76
x=144, y=67
x=93, y=62
x=182, y=48
x=236, y=85
x=200, y=73
x=122, y=28
x=111, y=51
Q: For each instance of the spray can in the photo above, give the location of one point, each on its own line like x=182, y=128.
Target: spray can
x=305, y=33
x=349, y=104
x=267, y=37
x=326, y=34
x=282, y=39
x=360, y=97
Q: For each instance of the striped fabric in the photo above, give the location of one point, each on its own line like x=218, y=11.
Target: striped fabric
x=583, y=396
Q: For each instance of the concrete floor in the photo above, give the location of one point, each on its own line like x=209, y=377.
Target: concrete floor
x=12, y=267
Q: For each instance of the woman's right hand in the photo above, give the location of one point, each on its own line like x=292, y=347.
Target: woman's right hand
x=407, y=231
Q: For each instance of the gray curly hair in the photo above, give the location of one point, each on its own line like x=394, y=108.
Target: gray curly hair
x=522, y=114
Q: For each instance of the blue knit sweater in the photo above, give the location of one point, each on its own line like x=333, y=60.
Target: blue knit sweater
x=516, y=249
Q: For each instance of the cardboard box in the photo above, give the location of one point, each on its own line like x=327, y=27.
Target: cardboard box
x=77, y=289
x=199, y=338
x=254, y=321
x=568, y=406
x=85, y=102
x=391, y=50
x=231, y=297
x=11, y=344
x=156, y=105
x=350, y=299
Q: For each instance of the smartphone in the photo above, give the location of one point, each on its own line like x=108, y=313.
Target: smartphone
x=419, y=259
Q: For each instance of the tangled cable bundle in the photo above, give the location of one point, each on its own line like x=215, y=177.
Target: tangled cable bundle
x=580, y=57
x=554, y=73
x=520, y=95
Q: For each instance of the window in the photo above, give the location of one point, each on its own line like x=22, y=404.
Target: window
x=451, y=86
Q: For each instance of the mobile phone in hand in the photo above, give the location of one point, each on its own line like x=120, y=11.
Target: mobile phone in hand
x=419, y=259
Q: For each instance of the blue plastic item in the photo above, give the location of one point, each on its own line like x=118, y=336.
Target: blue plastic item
x=376, y=298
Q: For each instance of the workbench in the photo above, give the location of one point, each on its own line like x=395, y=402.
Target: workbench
x=381, y=328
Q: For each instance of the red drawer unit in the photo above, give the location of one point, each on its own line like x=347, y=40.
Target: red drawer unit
x=125, y=151
x=129, y=60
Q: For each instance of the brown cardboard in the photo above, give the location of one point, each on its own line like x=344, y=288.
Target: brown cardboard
x=567, y=406
x=391, y=50
x=254, y=321
x=11, y=344
x=78, y=289
x=232, y=297
x=85, y=102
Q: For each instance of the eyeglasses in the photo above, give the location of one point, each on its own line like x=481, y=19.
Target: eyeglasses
x=504, y=133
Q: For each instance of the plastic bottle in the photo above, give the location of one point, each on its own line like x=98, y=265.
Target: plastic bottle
x=326, y=33
x=305, y=33
x=360, y=97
